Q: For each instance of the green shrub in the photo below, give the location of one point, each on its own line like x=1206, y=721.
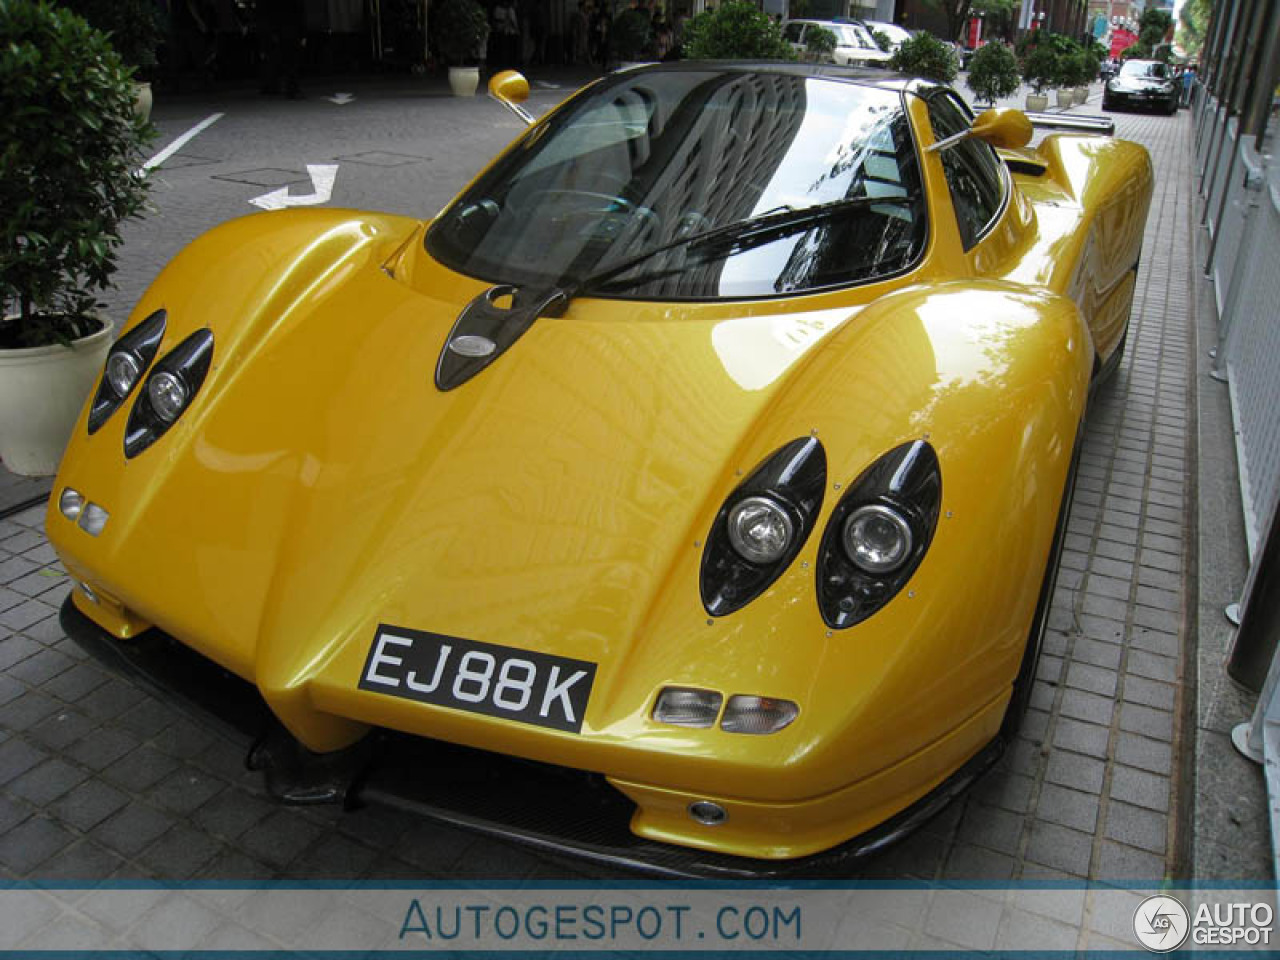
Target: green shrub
x=1040, y=68
x=460, y=28
x=882, y=41
x=737, y=29
x=1076, y=69
x=819, y=43
x=629, y=34
x=70, y=146
x=993, y=72
x=134, y=27
x=924, y=55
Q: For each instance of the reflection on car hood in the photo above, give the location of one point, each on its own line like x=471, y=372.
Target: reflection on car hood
x=1138, y=84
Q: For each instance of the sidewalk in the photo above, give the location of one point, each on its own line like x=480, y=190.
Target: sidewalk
x=98, y=779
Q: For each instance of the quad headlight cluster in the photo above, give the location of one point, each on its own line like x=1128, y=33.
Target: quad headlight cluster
x=165, y=394
x=876, y=537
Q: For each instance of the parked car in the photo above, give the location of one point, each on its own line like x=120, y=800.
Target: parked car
x=1142, y=83
x=687, y=494
x=854, y=45
x=895, y=33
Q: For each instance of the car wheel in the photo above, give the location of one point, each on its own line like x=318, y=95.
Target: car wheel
x=1106, y=104
x=1025, y=680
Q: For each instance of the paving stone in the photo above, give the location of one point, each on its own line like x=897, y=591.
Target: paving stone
x=133, y=829
x=179, y=853
x=335, y=857
x=23, y=615
x=1074, y=770
x=1060, y=848
x=26, y=710
x=1081, y=705
x=184, y=790
x=1070, y=808
x=280, y=838
x=1007, y=789
x=1137, y=827
x=1084, y=676
x=24, y=848
x=231, y=813
x=1140, y=788
x=83, y=860
x=1087, y=738
x=1120, y=862
x=1149, y=693
x=110, y=700
x=140, y=768
x=17, y=757
x=47, y=782
x=1152, y=666
x=75, y=684
x=1150, y=755
x=88, y=805
x=103, y=747
x=1156, y=724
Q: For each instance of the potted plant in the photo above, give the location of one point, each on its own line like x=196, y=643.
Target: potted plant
x=135, y=29
x=736, y=29
x=1039, y=71
x=629, y=36
x=993, y=72
x=924, y=55
x=462, y=31
x=68, y=178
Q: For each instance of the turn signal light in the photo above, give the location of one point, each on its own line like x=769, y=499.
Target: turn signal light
x=687, y=707
x=757, y=715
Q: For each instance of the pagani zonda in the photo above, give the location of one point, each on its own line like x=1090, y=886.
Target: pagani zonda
x=702, y=463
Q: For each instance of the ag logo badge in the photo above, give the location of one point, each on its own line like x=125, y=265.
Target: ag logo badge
x=1161, y=923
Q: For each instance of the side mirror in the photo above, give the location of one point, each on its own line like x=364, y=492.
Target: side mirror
x=511, y=89
x=1008, y=129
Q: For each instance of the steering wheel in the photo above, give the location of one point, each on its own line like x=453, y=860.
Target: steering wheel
x=600, y=213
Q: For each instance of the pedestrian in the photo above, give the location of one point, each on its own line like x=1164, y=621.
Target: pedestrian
x=1188, y=79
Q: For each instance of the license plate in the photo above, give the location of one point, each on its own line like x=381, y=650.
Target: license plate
x=536, y=688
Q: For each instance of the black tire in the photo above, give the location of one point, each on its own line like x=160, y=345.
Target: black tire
x=1025, y=680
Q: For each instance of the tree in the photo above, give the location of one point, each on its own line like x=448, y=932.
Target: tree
x=1193, y=25
x=997, y=17
x=737, y=29
x=957, y=13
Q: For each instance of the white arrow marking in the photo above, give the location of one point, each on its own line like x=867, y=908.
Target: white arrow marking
x=341, y=99
x=181, y=142
x=322, y=178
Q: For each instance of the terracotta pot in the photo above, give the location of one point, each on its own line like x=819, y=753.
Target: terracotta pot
x=42, y=390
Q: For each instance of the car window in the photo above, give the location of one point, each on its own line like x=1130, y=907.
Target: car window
x=643, y=160
x=974, y=173
x=1144, y=68
x=792, y=32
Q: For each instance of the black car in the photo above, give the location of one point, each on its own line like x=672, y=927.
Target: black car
x=1142, y=83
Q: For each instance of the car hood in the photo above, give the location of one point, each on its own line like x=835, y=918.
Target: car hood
x=1138, y=85
x=321, y=484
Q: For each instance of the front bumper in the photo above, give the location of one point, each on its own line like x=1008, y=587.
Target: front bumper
x=557, y=809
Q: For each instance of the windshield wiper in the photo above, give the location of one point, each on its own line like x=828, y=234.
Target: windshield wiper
x=741, y=234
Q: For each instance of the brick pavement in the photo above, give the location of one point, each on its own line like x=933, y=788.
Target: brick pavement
x=98, y=779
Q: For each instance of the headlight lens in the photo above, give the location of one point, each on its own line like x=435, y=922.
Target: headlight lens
x=123, y=371
x=877, y=538
x=168, y=396
x=760, y=529
x=762, y=525
x=172, y=386
x=878, y=534
x=128, y=360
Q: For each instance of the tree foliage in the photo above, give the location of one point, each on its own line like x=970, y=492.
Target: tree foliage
x=737, y=29
x=134, y=27
x=993, y=72
x=70, y=147
x=460, y=28
x=924, y=55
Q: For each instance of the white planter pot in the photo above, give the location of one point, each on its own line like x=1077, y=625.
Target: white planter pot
x=1037, y=102
x=42, y=390
x=464, y=80
x=1066, y=97
x=142, y=99
x=1082, y=94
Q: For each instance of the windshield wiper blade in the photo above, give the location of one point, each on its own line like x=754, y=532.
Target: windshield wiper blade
x=743, y=233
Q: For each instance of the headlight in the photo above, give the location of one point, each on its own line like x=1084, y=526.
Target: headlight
x=762, y=525
x=128, y=360
x=169, y=391
x=877, y=538
x=760, y=529
x=878, y=534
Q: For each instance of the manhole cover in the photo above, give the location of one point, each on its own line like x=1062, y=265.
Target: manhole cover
x=265, y=177
x=381, y=158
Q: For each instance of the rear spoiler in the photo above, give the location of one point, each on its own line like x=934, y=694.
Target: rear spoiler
x=1076, y=123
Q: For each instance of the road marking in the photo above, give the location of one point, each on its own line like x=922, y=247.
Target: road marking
x=341, y=99
x=182, y=141
x=322, y=177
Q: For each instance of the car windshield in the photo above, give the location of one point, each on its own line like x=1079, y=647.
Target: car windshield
x=645, y=161
x=1144, y=68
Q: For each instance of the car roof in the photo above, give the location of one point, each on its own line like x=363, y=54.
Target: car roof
x=865, y=76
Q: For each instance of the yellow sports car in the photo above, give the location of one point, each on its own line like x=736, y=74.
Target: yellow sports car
x=687, y=493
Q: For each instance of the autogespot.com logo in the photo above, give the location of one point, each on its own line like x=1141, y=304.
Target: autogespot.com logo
x=1161, y=923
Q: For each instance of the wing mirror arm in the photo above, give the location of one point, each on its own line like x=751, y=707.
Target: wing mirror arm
x=511, y=89
x=1005, y=129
